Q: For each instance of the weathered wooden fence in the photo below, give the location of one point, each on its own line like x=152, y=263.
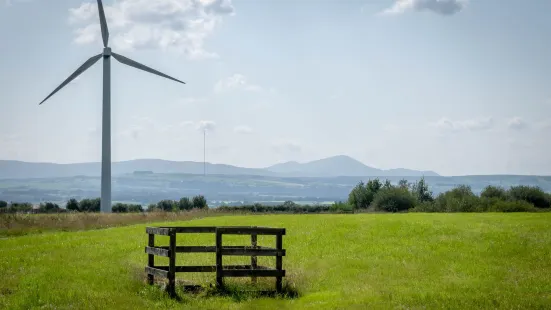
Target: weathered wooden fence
x=252, y=270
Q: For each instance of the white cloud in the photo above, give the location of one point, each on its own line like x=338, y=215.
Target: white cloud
x=472, y=124
x=243, y=129
x=443, y=7
x=206, y=126
x=516, y=123
x=286, y=146
x=235, y=82
x=182, y=25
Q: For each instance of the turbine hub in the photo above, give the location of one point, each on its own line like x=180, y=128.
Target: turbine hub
x=106, y=52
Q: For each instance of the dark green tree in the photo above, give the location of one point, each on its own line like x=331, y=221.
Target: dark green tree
x=152, y=207
x=72, y=205
x=48, y=207
x=167, y=205
x=531, y=194
x=394, y=199
x=119, y=208
x=199, y=202
x=185, y=204
x=135, y=208
x=421, y=191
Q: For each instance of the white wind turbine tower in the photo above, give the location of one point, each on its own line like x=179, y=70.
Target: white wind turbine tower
x=106, y=115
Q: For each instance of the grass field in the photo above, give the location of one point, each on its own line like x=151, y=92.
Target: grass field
x=361, y=261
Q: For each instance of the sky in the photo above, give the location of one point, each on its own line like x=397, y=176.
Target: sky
x=455, y=86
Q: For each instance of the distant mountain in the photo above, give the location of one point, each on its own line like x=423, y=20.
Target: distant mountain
x=19, y=170
x=328, y=167
x=340, y=165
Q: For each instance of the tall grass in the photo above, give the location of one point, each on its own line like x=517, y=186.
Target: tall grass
x=21, y=224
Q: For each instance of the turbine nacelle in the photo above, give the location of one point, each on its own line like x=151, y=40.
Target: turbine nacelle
x=107, y=52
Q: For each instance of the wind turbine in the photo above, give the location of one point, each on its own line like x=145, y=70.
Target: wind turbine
x=204, y=152
x=106, y=115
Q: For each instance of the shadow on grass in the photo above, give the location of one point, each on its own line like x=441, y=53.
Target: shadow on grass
x=240, y=292
x=236, y=291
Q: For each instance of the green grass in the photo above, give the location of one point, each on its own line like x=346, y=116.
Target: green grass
x=362, y=261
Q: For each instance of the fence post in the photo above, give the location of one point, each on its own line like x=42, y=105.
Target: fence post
x=151, y=259
x=279, y=262
x=172, y=264
x=219, y=282
x=254, y=262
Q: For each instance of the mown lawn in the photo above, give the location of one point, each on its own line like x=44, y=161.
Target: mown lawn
x=360, y=261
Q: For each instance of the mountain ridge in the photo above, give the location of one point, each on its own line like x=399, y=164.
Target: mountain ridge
x=340, y=165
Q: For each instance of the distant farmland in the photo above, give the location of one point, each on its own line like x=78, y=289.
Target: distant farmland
x=149, y=188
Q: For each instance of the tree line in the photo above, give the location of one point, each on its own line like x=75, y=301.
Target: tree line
x=416, y=197
x=374, y=195
x=93, y=205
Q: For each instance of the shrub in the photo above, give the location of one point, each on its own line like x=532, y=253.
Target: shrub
x=421, y=191
x=459, y=199
x=72, y=205
x=425, y=206
x=3, y=204
x=512, y=206
x=119, y=208
x=22, y=207
x=134, y=208
x=393, y=199
x=167, y=205
x=48, y=207
x=494, y=192
x=89, y=205
x=362, y=195
x=341, y=207
x=199, y=202
x=531, y=194
x=152, y=207
x=185, y=204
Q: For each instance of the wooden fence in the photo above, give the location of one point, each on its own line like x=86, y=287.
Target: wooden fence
x=252, y=270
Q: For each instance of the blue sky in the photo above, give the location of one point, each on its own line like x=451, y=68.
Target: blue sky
x=458, y=87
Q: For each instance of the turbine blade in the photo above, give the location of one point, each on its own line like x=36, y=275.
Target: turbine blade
x=90, y=62
x=103, y=23
x=132, y=63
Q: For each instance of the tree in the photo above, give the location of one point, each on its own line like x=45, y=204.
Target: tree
x=185, y=204
x=403, y=183
x=199, y=202
x=494, y=192
x=152, y=207
x=20, y=207
x=373, y=186
x=3, y=205
x=531, y=194
x=72, y=205
x=387, y=184
x=119, y=208
x=135, y=208
x=394, y=199
x=48, y=207
x=89, y=205
x=421, y=191
x=362, y=194
x=167, y=205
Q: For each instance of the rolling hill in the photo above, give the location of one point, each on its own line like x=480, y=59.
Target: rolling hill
x=327, y=167
x=339, y=166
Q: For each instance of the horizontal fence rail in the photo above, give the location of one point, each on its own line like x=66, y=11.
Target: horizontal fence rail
x=253, y=270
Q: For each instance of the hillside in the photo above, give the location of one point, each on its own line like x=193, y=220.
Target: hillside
x=327, y=167
x=340, y=166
